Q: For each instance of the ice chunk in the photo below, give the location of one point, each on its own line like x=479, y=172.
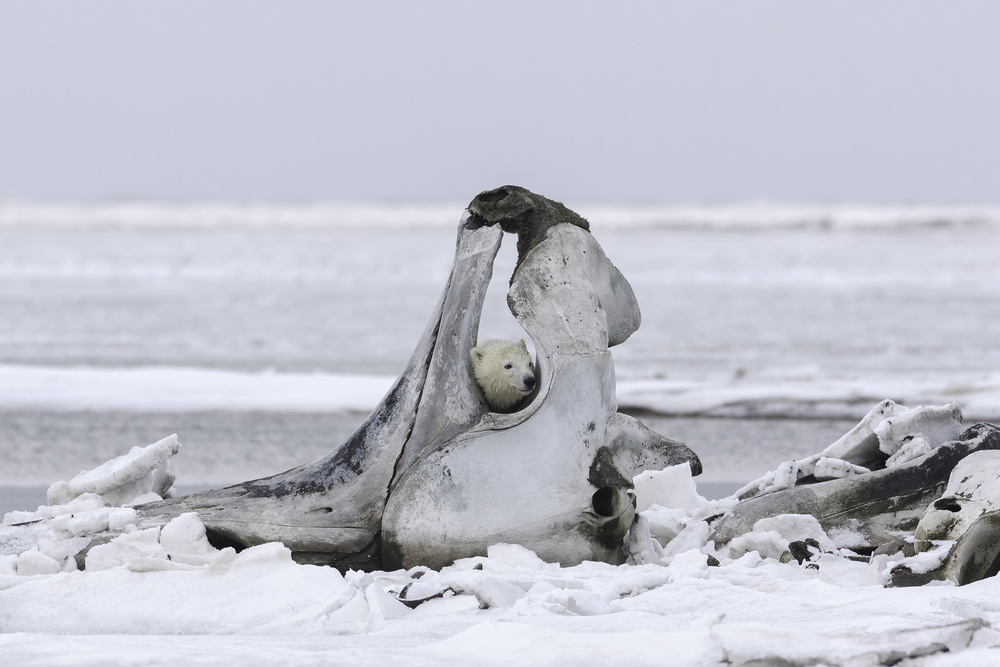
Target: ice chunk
x=830, y=468
x=640, y=547
x=515, y=555
x=20, y=516
x=124, y=549
x=767, y=543
x=691, y=563
x=770, y=537
x=913, y=446
x=694, y=536
x=885, y=430
x=62, y=548
x=383, y=607
x=664, y=524
x=185, y=540
x=35, y=562
x=782, y=477
x=120, y=480
x=83, y=523
x=576, y=602
x=80, y=504
x=795, y=527
x=144, y=498
x=860, y=444
x=671, y=487
x=85, y=502
x=938, y=424
x=8, y=563
x=121, y=517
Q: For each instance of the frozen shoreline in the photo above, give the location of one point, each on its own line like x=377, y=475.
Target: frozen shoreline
x=176, y=389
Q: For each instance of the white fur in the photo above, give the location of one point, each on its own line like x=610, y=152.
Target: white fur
x=503, y=387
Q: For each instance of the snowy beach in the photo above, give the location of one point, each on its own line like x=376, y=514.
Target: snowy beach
x=263, y=335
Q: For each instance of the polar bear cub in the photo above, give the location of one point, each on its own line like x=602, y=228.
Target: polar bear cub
x=504, y=371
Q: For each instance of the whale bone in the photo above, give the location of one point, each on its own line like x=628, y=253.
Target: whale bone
x=431, y=475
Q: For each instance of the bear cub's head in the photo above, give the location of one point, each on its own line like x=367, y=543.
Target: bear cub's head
x=504, y=371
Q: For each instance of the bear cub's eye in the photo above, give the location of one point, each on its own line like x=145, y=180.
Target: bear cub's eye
x=508, y=366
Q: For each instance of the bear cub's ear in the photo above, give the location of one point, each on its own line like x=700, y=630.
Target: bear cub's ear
x=476, y=354
x=523, y=345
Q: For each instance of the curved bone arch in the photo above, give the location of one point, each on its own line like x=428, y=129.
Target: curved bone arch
x=431, y=475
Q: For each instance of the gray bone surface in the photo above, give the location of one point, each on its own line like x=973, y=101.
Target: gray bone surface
x=431, y=475
x=880, y=504
x=639, y=449
x=573, y=505
x=330, y=510
x=887, y=435
x=966, y=518
x=474, y=490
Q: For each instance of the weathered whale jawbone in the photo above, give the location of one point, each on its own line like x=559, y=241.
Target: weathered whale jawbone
x=964, y=523
x=537, y=477
x=881, y=504
x=555, y=476
x=330, y=510
x=431, y=476
x=876, y=480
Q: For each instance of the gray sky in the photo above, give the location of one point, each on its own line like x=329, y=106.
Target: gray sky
x=615, y=102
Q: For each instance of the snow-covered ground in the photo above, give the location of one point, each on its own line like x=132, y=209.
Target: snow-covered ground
x=162, y=596
x=797, y=314
x=260, y=608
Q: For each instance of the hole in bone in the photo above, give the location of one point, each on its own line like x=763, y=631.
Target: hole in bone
x=497, y=320
x=947, y=504
x=221, y=541
x=605, y=501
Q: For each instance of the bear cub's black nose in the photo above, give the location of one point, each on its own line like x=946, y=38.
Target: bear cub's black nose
x=529, y=381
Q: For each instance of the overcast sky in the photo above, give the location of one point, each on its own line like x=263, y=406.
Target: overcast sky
x=614, y=102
